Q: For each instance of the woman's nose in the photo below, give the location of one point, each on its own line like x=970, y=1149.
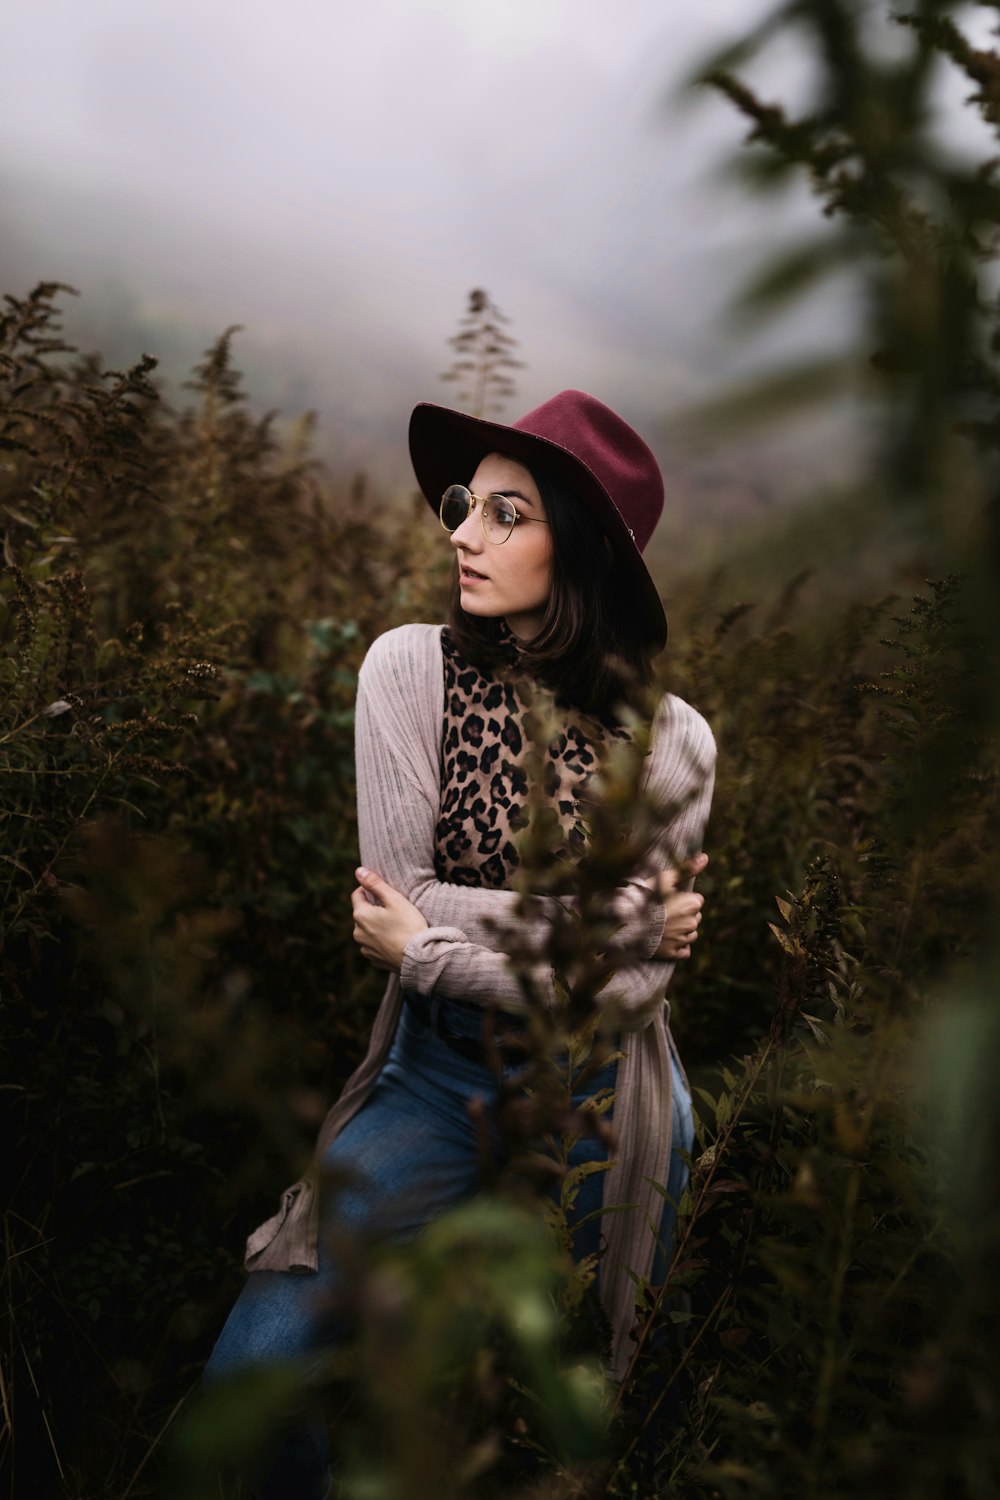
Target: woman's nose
x=469, y=535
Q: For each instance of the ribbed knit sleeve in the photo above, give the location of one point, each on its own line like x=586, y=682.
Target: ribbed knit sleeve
x=399, y=712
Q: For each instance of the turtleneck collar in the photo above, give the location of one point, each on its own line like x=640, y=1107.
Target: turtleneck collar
x=511, y=648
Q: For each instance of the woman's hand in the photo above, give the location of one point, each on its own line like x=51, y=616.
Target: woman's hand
x=383, y=930
x=683, y=909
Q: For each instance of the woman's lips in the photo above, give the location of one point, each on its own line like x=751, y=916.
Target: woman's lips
x=470, y=576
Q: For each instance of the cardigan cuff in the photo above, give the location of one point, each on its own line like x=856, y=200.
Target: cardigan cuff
x=638, y=905
x=422, y=950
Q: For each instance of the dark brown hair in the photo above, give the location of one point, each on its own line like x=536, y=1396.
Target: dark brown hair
x=589, y=650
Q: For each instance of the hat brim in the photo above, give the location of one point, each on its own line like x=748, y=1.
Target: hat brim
x=446, y=447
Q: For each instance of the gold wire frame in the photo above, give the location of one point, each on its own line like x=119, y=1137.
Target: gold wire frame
x=484, y=502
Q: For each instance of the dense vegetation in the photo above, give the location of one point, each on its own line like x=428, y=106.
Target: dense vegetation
x=184, y=606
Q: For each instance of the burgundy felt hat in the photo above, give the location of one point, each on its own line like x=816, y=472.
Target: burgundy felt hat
x=599, y=456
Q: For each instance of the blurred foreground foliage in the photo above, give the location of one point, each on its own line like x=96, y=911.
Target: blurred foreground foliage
x=184, y=607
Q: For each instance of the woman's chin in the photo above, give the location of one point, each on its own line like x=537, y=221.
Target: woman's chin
x=478, y=607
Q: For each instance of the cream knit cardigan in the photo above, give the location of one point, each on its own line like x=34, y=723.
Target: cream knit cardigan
x=399, y=721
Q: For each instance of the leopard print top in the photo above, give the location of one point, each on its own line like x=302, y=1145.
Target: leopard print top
x=484, y=785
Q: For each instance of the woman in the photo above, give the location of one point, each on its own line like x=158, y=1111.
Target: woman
x=548, y=519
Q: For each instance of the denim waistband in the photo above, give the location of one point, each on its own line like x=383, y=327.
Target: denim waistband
x=462, y=1018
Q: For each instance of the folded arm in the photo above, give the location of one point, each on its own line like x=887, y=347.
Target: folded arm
x=458, y=954
x=442, y=960
x=398, y=811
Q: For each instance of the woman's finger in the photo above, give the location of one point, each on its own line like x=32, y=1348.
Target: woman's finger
x=685, y=919
x=690, y=901
x=683, y=902
x=681, y=931
x=377, y=885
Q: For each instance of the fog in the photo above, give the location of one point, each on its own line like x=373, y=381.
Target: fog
x=336, y=178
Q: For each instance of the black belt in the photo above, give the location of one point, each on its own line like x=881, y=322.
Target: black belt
x=509, y=1046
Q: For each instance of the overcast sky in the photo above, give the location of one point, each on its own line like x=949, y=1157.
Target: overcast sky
x=337, y=177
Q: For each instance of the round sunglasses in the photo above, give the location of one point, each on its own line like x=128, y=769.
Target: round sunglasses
x=498, y=514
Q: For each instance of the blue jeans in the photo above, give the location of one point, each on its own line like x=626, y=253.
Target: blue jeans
x=410, y=1153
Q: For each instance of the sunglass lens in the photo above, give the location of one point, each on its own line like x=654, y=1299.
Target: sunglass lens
x=456, y=502
x=499, y=516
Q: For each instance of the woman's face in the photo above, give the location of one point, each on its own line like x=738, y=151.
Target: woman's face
x=516, y=575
